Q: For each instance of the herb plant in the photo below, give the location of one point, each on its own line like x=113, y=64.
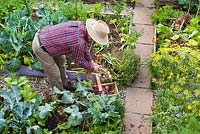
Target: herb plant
x=162, y=14
x=74, y=10
x=176, y=84
x=7, y=7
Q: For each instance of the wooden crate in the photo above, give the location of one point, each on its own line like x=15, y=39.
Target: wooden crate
x=114, y=87
x=113, y=90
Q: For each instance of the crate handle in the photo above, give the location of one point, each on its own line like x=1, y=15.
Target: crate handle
x=98, y=82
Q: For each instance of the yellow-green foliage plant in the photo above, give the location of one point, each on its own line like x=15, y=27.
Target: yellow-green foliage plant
x=176, y=83
x=8, y=6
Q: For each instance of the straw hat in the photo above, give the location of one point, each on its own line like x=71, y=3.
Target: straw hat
x=98, y=30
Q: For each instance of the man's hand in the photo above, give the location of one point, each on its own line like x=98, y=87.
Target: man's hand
x=96, y=68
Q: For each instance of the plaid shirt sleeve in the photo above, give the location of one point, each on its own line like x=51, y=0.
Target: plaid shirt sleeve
x=88, y=56
x=78, y=54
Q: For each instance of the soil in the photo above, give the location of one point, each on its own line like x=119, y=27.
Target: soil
x=52, y=122
x=38, y=84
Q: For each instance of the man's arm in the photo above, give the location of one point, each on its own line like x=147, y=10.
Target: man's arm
x=78, y=56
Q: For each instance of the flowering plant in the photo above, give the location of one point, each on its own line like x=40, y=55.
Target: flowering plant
x=176, y=83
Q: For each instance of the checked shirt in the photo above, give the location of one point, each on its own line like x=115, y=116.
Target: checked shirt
x=70, y=39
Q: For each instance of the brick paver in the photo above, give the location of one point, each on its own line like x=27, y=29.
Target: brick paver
x=143, y=79
x=142, y=15
x=139, y=97
x=137, y=124
x=143, y=51
x=147, y=33
x=139, y=101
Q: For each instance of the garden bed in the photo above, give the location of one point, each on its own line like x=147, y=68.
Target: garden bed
x=175, y=73
x=57, y=111
x=108, y=55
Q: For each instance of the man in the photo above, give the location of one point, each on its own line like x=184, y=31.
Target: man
x=71, y=38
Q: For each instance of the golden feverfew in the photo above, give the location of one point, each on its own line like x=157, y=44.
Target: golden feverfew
x=177, y=89
x=154, y=80
x=192, y=42
x=185, y=92
x=196, y=92
x=182, y=80
x=170, y=75
x=189, y=107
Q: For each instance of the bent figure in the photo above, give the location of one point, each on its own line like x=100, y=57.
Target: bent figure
x=53, y=42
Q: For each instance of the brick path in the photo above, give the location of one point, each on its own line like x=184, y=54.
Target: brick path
x=139, y=97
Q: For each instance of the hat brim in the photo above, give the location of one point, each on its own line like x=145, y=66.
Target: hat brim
x=92, y=33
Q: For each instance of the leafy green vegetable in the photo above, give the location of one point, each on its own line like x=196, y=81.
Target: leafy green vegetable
x=73, y=10
x=15, y=114
x=37, y=66
x=28, y=94
x=44, y=110
x=8, y=6
x=48, y=17
x=18, y=30
x=3, y=58
x=120, y=67
x=13, y=65
x=75, y=117
x=67, y=97
x=161, y=14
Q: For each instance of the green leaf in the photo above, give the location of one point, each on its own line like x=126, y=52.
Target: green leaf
x=8, y=80
x=75, y=117
x=175, y=37
x=64, y=126
x=11, y=96
x=22, y=81
x=44, y=110
x=81, y=88
x=194, y=33
x=57, y=91
x=15, y=94
x=72, y=109
x=2, y=113
x=28, y=93
x=13, y=65
x=67, y=97
x=196, y=93
x=37, y=66
x=2, y=120
x=27, y=60
x=36, y=129
x=23, y=110
x=14, y=42
x=2, y=37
